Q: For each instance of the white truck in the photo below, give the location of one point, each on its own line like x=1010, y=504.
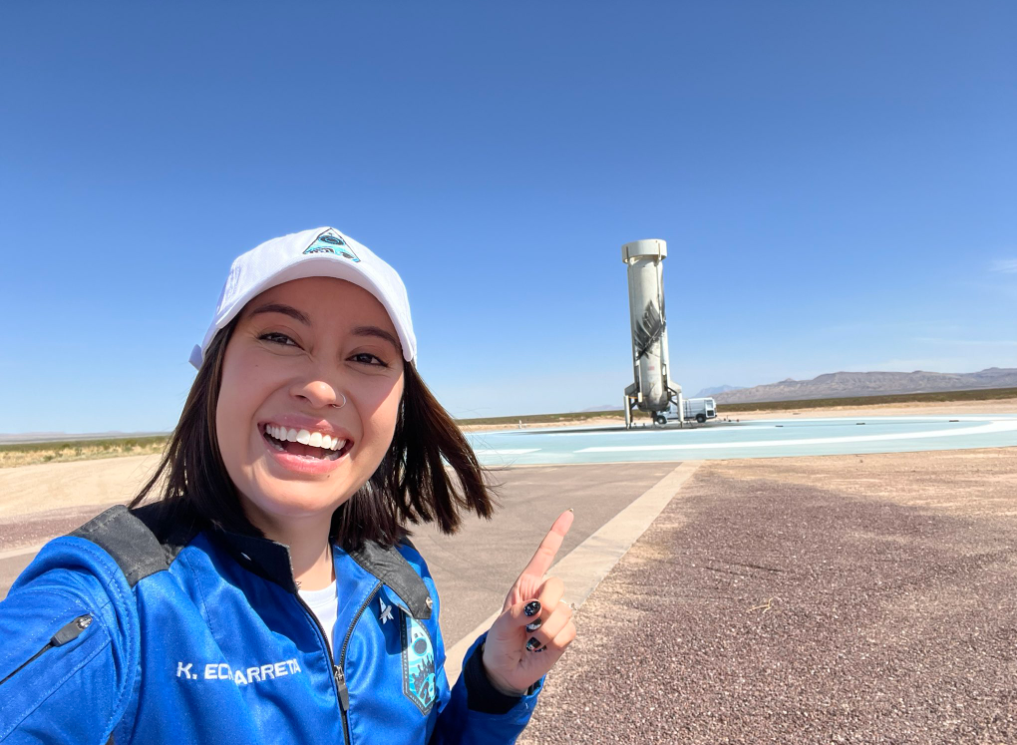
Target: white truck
x=699, y=409
x=694, y=410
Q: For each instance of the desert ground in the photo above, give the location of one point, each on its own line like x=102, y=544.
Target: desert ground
x=834, y=599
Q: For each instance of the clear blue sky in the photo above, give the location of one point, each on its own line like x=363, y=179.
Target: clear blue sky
x=837, y=184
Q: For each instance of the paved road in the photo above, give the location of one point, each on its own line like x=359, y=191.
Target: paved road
x=473, y=569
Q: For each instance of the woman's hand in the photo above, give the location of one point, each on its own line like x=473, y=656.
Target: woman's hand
x=535, y=625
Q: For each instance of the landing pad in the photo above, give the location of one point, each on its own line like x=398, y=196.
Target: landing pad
x=769, y=438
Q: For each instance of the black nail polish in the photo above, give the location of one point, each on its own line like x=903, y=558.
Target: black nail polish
x=534, y=626
x=532, y=644
x=532, y=608
x=541, y=649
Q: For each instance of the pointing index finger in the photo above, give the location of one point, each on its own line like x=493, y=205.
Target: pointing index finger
x=543, y=558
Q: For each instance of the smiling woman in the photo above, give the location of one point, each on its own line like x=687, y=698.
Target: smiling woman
x=275, y=556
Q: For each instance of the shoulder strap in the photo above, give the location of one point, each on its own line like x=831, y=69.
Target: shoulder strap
x=129, y=538
x=388, y=565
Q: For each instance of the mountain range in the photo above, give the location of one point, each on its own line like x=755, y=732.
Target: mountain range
x=850, y=384
x=707, y=392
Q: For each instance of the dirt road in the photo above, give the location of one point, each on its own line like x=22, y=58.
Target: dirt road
x=50, y=486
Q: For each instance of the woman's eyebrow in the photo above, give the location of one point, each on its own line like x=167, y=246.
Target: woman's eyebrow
x=379, y=332
x=287, y=310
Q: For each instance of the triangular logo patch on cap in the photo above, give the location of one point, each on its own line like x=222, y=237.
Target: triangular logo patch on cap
x=330, y=242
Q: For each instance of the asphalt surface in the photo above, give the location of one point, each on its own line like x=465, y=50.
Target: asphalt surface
x=473, y=569
x=757, y=611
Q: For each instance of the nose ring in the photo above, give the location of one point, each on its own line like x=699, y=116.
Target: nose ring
x=339, y=406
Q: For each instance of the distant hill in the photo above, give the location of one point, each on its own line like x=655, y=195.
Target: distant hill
x=847, y=384
x=605, y=407
x=707, y=392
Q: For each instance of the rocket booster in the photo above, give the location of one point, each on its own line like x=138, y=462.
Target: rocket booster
x=652, y=389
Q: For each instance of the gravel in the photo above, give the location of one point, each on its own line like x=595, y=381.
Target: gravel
x=807, y=600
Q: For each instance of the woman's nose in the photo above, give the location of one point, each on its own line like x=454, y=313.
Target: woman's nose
x=318, y=393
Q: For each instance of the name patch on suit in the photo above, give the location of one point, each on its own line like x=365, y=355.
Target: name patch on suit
x=240, y=676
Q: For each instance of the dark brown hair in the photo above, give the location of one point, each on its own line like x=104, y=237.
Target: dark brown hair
x=429, y=474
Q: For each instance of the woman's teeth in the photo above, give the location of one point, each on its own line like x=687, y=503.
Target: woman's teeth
x=305, y=437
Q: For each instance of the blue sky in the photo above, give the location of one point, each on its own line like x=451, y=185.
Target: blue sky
x=836, y=183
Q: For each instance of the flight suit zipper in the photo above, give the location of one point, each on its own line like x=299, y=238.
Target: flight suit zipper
x=342, y=691
x=67, y=633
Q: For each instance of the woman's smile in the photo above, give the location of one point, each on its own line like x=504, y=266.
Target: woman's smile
x=317, y=449
x=307, y=444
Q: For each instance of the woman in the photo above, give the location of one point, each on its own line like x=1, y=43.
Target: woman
x=271, y=595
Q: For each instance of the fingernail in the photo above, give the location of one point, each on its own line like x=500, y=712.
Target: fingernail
x=532, y=608
x=532, y=644
x=541, y=649
x=571, y=510
x=534, y=626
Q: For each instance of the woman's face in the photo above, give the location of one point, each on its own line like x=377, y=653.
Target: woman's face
x=297, y=349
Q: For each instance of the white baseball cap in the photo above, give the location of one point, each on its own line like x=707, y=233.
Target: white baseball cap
x=322, y=252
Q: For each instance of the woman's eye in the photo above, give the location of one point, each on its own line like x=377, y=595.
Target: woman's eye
x=277, y=338
x=368, y=359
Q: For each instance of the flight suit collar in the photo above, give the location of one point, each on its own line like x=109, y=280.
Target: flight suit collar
x=271, y=560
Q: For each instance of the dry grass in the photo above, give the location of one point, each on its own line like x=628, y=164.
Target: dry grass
x=12, y=456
